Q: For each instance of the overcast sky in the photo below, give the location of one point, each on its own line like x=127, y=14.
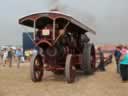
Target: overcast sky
x=109, y=18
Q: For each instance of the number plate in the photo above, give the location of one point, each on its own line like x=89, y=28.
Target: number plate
x=45, y=32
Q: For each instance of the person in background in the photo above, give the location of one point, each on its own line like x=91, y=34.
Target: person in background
x=10, y=56
x=124, y=64
x=30, y=53
x=22, y=57
x=27, y=55
x=18, y=55
x=5, y=55
x=1, y=56
x=101, y=65
x=117, y=55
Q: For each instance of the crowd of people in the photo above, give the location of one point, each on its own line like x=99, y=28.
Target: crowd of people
x=8, y=56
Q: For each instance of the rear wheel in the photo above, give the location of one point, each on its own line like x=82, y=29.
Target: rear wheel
x=36, y=68
x=88, y=59
x=69, y=69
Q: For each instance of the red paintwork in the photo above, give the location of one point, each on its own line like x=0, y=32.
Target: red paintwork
x=76, y=59
x=53, y=68
x=43, y=41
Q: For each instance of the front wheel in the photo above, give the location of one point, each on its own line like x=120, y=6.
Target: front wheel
x=37, y=68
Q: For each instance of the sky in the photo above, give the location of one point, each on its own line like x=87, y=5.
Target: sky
x=109, y=18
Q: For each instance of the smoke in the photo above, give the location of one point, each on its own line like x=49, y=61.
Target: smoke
x=83, y=16
x=55, y=5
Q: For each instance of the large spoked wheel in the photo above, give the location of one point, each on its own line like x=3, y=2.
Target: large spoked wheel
x=88, y=59
x=69, y=69
x=37, y=68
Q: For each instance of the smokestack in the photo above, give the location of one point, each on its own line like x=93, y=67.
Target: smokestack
x=54, y=5
x=57, y=5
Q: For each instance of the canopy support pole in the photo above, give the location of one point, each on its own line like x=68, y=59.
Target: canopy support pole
x=66, y=25
x=34, y=33
x=54, y=28
x=62, y=32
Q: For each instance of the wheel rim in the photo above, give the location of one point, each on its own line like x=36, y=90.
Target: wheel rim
x=37, y=70
x=93, y=61
x=69, y=70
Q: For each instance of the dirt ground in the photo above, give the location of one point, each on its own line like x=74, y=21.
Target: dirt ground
x=17, y=82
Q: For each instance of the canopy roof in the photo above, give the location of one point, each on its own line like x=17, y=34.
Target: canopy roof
x=42, y=19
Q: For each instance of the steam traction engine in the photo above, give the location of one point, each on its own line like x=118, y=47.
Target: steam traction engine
x=63, y=45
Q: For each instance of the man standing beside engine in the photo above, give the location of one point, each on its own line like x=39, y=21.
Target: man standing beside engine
x=101, y=65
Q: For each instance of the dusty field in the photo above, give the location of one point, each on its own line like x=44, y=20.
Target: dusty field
x=16, y=82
